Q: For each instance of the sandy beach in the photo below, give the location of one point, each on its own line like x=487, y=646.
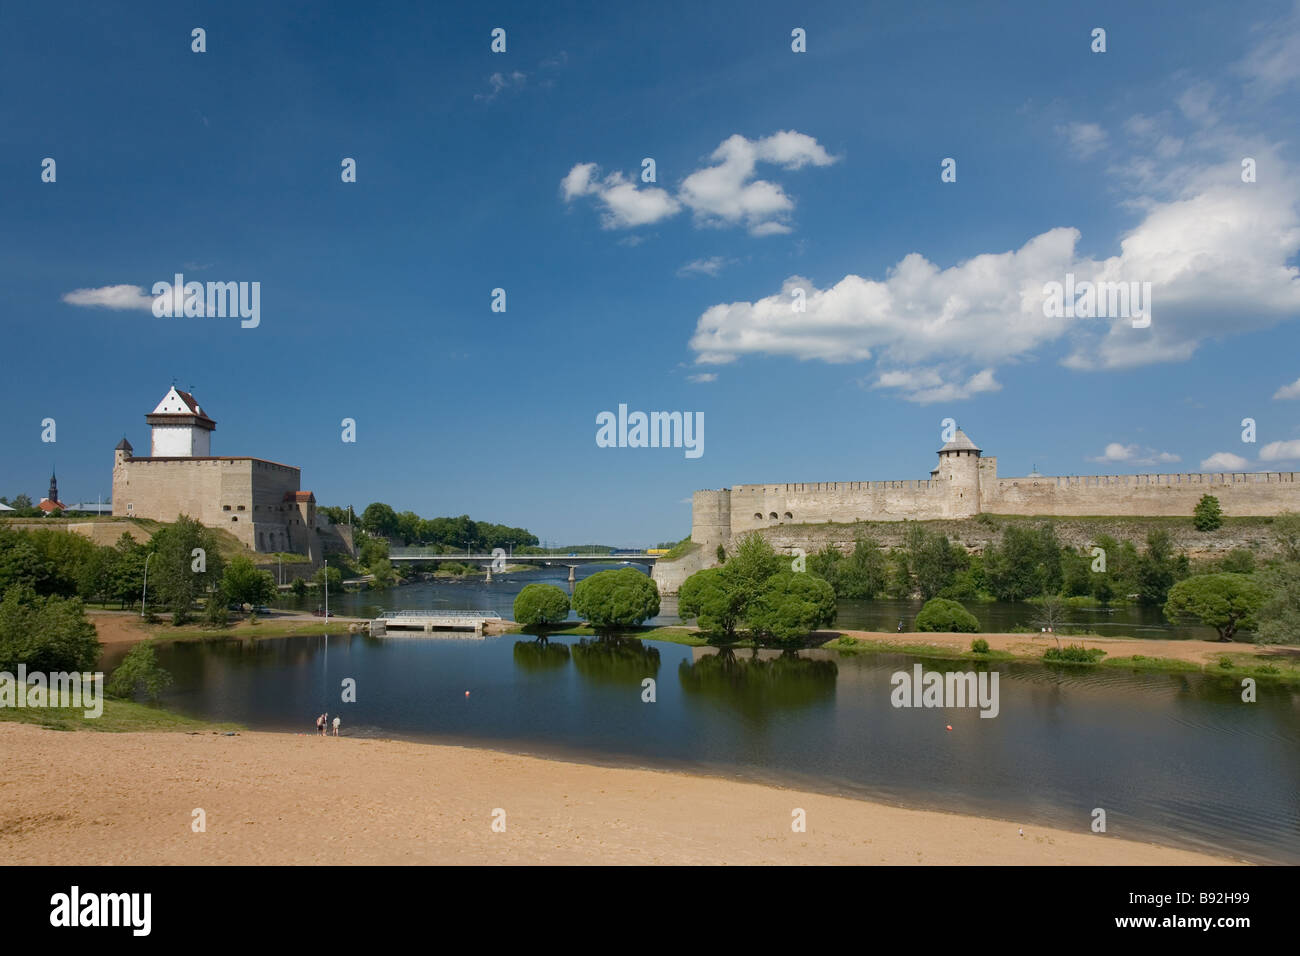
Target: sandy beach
x=128, y=798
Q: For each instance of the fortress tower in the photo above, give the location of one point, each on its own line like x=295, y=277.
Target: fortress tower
x=180, y=428
x=958, y=473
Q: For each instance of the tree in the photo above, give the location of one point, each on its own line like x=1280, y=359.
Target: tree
x=334, y=575
x=186, y=564
x=709, y=597
x=1279, y=616
x=791, y=605
x=380, y=519
x=1013, y=568
x=1158, y=568
x=47, y=634
x=619, y=598
x=1207, y=516
x=539, y=605
x=245, y=583
x=945, y=616
x=1225, y=602
x=139, y=670
x=935, y=563
x=1286, y=531
x=1051, y=615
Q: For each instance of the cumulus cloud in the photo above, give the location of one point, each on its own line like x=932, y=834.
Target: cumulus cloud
x=928, y=385
x=1135, y=455
x=1084, y=138
x=498, y=82
x=1280, y=451
x=702, y=377
x=1225, y=461
x=118, y=297
x=704, y=267
x=723, y=194
x=1215, y=251
x=624, y=204
x=1289, y=391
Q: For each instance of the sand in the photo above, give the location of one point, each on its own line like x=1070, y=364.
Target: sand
x=103, y=798
x=1197, y=652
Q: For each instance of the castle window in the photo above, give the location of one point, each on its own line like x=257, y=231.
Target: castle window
x=234, y=517
x=758, y=515
x=225, y=507
x=772, y=516
x=240, y=507
x=788, y=515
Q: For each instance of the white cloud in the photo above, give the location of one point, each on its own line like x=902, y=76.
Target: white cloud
x=1135, y=455
x=1084, y=138
x=1274, y=65
x=118, y=297
x=723, y=194
x=706, y=267
x=702, y=377
x=1216, y=256
x=928, y=385
x=625, y=205
x=502, y=81
x=1280, y=451
x=1225, y=461
x=1289, y=391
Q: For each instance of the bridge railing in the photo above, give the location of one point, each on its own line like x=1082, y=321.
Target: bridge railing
x=475, y=615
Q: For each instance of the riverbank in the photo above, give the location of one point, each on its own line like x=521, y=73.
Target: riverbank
x=281, y=799
x=127, y=627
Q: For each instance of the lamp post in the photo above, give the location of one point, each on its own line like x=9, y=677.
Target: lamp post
x=145, y=586
x=280, y=561
x=327, y=589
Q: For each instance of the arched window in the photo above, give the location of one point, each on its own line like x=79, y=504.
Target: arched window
x=758, y=516
x=788, y=515
x=772, y=516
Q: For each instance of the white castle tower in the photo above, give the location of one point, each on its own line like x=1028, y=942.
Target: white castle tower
x=180, y=427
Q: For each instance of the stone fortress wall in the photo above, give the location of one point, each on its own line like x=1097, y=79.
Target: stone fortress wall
x=965, y=484
x=245, y=496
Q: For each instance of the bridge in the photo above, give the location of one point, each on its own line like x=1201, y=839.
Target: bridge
x=497, y=562
x=429, y=621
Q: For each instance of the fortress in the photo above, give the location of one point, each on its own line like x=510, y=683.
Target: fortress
x=965, y=483
x=260, y=502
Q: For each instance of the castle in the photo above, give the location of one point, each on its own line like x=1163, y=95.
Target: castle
x=260, y=502
x=965, y=483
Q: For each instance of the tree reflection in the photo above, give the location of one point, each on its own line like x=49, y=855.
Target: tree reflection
x=615, y=660
x=755, y=685
x=540, y=655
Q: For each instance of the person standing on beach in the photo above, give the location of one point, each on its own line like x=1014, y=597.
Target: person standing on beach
x=325, y=724
x=336, y=726
x=320, y=724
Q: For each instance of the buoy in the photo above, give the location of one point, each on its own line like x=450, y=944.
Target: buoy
x=466, y=693
x=950, y=726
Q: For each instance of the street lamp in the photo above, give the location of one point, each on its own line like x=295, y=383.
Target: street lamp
x=145, y=586
x=327, y=590
x=280, y=561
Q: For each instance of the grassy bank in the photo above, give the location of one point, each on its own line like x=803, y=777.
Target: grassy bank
x=119, y=716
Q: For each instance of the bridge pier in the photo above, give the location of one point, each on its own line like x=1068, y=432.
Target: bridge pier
x=489, y=574
x=572, y=576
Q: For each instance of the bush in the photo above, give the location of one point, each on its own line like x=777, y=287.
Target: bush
x=46, y=633
x=1074, y=654
x=299, y=587
x=139, y=670
x=943, y=615
x=538, y=605
x=979, y=646
x=791, y=606
x=1207, y=516
x=621, y=598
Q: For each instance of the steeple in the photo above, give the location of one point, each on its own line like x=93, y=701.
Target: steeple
x=54, y=486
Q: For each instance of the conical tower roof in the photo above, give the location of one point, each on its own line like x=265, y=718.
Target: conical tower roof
x=960, y=442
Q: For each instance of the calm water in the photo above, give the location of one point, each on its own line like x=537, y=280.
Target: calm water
x=1176, y=760
x=882, y=615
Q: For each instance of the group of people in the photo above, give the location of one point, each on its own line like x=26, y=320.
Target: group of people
x=323, y=725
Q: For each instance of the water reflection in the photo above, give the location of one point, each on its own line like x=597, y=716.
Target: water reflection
x=756, y=682
x=615, y=660
x=540, y=655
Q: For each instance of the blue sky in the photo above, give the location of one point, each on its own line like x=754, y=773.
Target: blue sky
x=775, y=170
